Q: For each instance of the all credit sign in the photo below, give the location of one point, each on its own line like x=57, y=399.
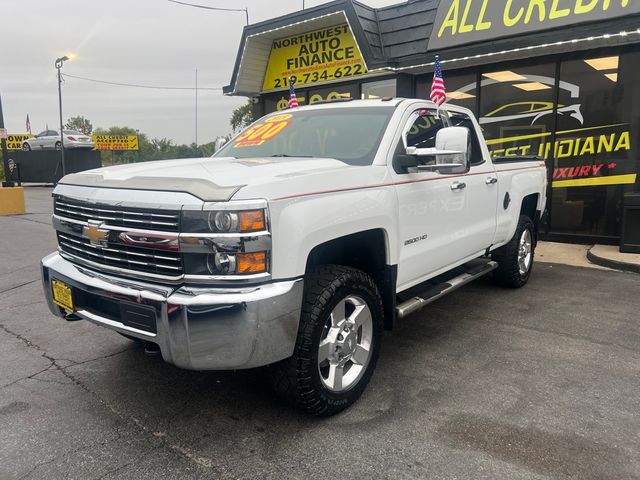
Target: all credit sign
x=459, y=22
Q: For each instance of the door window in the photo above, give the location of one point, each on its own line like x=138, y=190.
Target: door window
x=423, y=131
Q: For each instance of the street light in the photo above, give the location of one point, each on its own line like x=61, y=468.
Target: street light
x=58, y=64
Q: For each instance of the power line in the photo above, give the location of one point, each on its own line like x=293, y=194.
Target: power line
x=154, y=87
x=220, y=9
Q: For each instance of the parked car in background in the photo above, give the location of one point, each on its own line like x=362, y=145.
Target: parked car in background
x=50, y=139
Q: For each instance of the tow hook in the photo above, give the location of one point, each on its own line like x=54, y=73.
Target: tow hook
x=151, y=349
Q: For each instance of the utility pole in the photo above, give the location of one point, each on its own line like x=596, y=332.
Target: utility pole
x=5, y=153
x=196, y=108
x=58, y=65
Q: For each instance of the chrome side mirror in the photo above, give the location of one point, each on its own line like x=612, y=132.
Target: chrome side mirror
x=452, y=150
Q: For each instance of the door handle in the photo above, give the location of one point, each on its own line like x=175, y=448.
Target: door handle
x=458, y=186
x=491, y=180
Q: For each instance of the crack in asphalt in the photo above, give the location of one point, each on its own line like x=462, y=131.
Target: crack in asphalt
x=25, y=218
x=163, y=437
x=19, y=286
x=71, y=452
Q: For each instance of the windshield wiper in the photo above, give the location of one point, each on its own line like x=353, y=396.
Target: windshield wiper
x=284, y=155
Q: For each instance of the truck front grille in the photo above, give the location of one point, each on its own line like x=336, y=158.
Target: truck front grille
x=119, y=257
x=135, y=218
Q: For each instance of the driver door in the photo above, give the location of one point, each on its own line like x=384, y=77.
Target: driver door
x=445, y=217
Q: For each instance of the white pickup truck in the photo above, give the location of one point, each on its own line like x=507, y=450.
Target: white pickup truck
x=298, y=243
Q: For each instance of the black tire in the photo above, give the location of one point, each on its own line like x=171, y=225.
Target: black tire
x=26, y=147
x=509, y=272
x=298, y=378
x=58, y=146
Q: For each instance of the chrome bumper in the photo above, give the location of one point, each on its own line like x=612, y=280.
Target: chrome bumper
x=196, y=329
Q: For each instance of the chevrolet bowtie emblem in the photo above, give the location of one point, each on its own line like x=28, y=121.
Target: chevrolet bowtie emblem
x=95, y=234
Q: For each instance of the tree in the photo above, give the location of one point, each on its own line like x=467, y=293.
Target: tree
x=242, y=116
x=79, y=124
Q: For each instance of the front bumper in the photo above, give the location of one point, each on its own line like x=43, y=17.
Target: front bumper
x=196, y=329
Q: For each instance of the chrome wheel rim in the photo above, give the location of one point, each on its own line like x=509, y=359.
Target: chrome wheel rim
x=345, y=344
x=525, y=252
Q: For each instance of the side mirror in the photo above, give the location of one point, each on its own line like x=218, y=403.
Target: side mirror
x=220, y=142
x=452, y=150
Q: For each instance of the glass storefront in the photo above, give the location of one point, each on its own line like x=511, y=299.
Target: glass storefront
x=379, y=89
x=308, y=96
x=580, y=113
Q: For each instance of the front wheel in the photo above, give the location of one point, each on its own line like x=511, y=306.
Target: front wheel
x=515, y=259
x=26, y=147
x=338, y=342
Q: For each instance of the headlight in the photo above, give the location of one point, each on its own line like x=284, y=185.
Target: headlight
x=246, y=221
x=219, y=263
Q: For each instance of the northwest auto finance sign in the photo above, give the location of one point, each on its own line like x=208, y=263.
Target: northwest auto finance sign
x=459, y=22
x=314, y=57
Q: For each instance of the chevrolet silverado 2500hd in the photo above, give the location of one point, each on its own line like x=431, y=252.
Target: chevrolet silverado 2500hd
x=298, y=243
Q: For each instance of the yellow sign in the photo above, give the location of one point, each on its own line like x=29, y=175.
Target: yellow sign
x=313, y=57
x=459, y=22
x=116, y=142
x=15, y=140
x=581, y=159
x=264, y=131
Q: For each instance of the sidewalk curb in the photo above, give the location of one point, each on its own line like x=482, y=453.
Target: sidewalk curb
x=613, y=264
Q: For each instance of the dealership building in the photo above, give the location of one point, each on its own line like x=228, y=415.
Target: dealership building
x=554, y=78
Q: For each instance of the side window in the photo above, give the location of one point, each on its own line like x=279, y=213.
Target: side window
x=422, y=134
x=42, y=134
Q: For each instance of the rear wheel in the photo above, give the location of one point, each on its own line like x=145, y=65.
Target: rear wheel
x=58, y=146
x=515, y=259
x=338, y=342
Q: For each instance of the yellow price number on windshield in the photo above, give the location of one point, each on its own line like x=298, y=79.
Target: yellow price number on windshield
x=264, y=131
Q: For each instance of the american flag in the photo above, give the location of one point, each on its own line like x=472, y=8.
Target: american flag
x=27, y=125
x=438, y=90
x=293, y=100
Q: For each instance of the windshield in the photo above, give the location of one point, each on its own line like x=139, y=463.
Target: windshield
x=351, y=135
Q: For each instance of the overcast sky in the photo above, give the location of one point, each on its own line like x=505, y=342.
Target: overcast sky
x=150, y=42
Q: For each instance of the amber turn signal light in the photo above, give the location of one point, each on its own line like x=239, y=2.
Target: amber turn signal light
x=252, y=221
x=252, y=262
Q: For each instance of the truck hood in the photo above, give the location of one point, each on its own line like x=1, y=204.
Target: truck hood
x=212, y=179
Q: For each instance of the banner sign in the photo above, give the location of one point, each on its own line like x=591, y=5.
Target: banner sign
x=314, y=57
x=575, y=151
x=116, y=142
x=459, y=22
x=15, y=140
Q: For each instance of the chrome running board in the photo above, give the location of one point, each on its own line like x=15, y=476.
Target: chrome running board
x=440, y=290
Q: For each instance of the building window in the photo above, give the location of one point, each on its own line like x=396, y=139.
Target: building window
x=379, y=89
x=596, y=147
x=517, y=109
x=462, y=89
x=333, y=92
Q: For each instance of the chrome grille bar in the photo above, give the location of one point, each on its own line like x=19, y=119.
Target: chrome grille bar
x=159, y=220
x=143, y=260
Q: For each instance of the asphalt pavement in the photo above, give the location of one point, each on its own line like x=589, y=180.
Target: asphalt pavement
x=487, y=383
